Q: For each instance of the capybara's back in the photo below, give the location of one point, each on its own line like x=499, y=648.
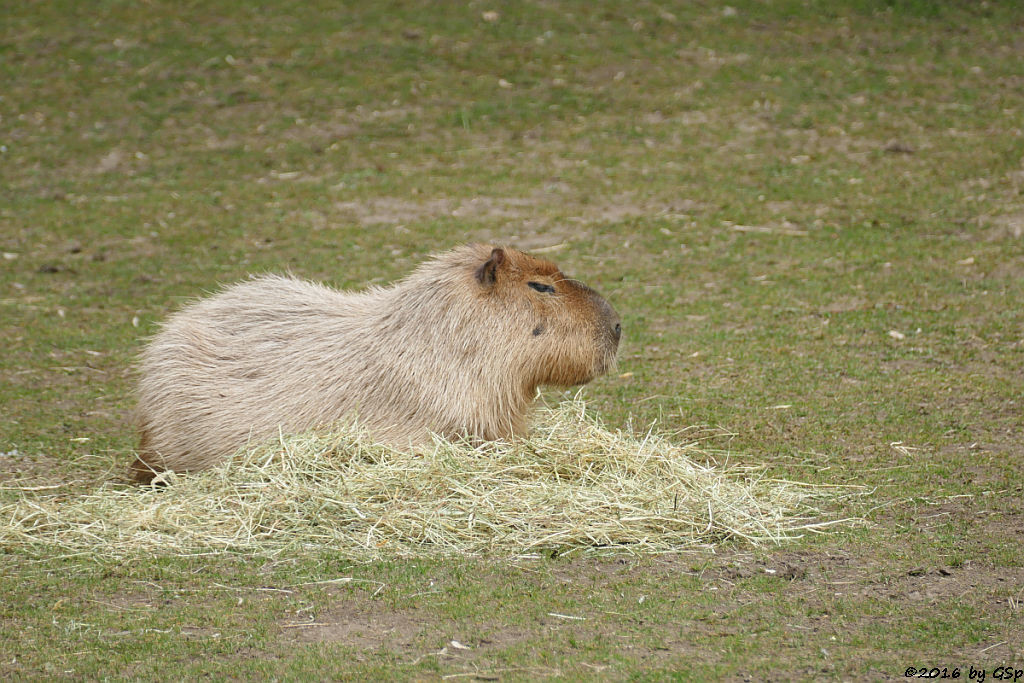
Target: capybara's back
x=458, y=348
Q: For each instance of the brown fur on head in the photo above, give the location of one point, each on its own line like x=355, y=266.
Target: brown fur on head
x=458, y=347
x=578, y=330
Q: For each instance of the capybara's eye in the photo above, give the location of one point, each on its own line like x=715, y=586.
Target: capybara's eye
x=541, y=287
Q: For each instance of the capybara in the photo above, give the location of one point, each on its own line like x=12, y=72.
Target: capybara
x=458, y=347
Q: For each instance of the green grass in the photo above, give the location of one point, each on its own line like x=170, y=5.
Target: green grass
x=764, y=195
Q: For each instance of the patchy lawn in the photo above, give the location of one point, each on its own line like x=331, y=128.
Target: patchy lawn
x=811, y=216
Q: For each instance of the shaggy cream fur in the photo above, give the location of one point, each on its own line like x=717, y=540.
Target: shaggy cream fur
x=458, y=347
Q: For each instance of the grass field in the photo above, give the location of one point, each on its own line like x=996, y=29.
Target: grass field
x=809, y=214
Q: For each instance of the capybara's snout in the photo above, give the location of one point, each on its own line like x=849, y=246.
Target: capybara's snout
x=610, y=325
x=614, y=322
x=608, y=332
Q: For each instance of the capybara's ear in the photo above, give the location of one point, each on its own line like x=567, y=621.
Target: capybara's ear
x=488, y=272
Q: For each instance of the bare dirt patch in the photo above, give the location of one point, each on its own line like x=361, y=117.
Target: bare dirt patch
x=361, y=624
x=1003, y=227
x=27, y=471
x=537, y=210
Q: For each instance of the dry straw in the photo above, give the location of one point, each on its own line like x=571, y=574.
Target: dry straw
x=573, y=485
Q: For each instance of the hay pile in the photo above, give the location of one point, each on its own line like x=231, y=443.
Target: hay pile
x=571, y=485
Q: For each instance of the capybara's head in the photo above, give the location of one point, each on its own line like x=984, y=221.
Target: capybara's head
x=563, y=332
